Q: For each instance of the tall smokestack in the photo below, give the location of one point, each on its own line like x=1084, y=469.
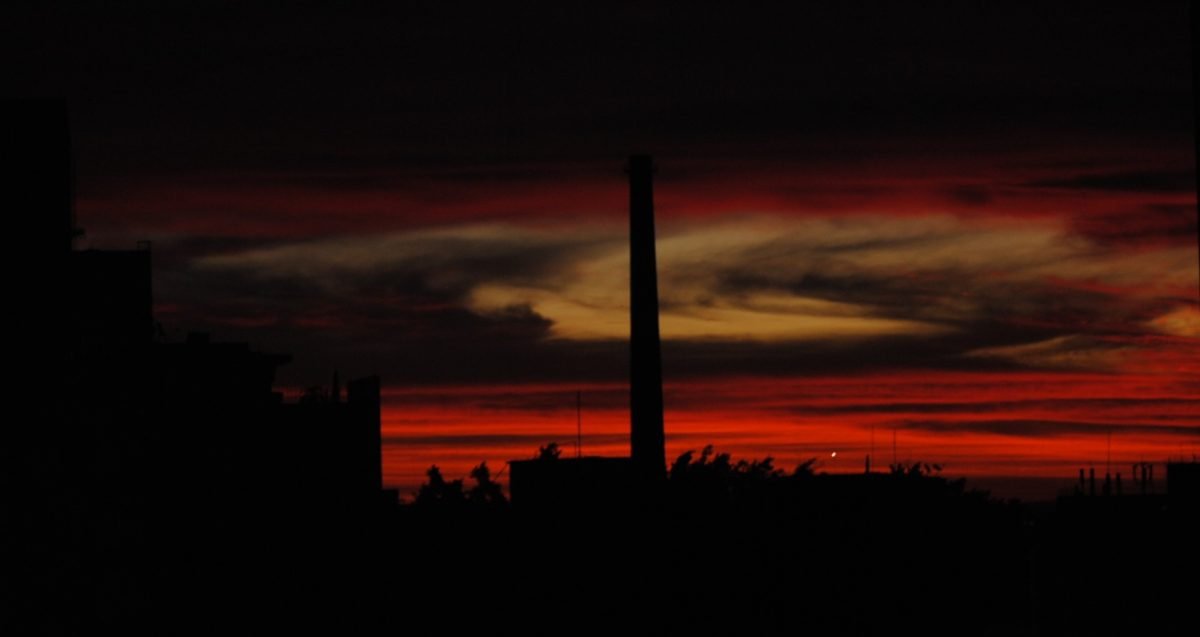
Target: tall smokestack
x=645, y=372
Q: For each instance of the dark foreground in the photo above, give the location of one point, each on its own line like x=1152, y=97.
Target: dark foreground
x=881, y=554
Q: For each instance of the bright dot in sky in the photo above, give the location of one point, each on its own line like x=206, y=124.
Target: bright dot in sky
x=833, y=455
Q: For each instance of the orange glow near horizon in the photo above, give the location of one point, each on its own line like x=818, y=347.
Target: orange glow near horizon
x=977, y=425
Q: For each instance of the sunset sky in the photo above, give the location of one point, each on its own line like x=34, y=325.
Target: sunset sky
x=966, y=227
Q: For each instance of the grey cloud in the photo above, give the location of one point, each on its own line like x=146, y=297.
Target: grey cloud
x=401, y=304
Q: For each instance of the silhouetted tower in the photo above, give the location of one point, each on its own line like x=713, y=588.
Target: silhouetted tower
x=366, y=457
x=1195, y=21
x=645, y=372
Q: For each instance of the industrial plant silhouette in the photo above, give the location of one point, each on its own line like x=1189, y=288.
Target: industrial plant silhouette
x=169, y=489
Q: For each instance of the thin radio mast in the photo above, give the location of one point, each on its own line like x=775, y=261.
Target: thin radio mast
x=871, y=453
x=1108, y=458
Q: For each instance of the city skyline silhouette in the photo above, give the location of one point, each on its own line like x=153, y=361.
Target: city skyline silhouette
x=668, y=296
x=853, y=206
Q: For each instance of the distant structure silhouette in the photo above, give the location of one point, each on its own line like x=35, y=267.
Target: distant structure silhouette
x=603, y=483
x=645, y=370
x=173, y=490
x=157, y=465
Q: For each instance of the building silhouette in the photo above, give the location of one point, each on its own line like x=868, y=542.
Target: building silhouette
x=156, y=468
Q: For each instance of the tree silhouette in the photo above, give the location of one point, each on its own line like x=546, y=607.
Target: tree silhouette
x=714, y=479
x=916, y=469
x=804, y=469
x=721, y=467
x=549, y=452
x=486, y=491
x=437, y=492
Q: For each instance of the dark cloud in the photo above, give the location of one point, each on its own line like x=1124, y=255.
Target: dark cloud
x=1134, y=181
x=1150, y=225
x=449, y=346
x=1046, y=428
x=555, y=401
x=699, y=359
x=969, y=194
x=405, y=318
x=1002, y=311
x=1156, y=405
x=531, y=441
x=403, y=305
x=175, y=88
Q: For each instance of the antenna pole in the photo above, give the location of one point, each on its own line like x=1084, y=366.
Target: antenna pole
x=578, y=424
x=1108, y=459
x=872, y=451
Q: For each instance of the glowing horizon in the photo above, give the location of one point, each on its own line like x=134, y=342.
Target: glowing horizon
x=916, y=201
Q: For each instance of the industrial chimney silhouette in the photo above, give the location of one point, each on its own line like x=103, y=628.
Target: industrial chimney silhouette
x=645, y=372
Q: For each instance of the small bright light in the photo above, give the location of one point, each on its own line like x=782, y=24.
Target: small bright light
x=833, y=455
